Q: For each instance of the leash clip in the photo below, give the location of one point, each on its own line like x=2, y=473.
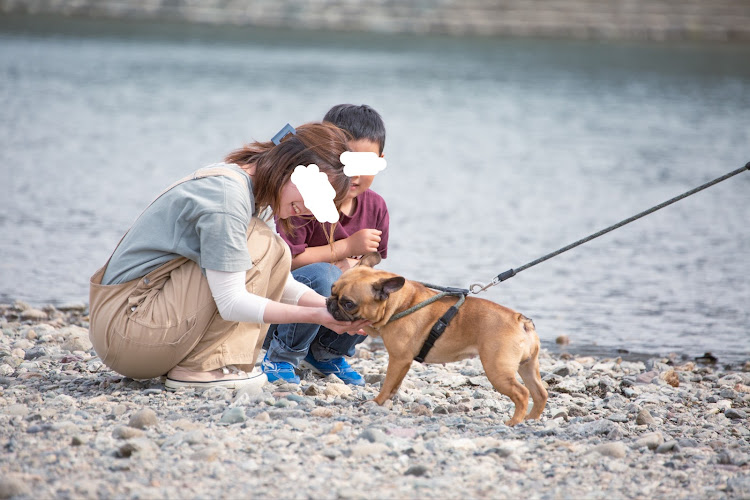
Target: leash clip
x=476, y=288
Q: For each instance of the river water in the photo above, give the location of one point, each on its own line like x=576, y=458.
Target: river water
x=499, y=151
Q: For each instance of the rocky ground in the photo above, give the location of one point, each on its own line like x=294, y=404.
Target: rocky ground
x=70, y=428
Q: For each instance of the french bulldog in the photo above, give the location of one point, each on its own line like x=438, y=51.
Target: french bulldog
x=505, y=340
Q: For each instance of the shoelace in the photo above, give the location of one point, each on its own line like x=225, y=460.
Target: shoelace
x=226, y=370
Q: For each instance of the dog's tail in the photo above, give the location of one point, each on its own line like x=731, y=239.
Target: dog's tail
x=526, y=323
x=528, y=327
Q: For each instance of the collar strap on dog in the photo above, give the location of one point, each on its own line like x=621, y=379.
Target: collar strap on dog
x=438, y=328
x=444, y=292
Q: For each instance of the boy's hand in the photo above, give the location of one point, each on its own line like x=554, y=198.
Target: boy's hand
x=363, y=241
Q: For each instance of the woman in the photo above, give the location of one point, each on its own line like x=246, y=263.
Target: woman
x=192, y=286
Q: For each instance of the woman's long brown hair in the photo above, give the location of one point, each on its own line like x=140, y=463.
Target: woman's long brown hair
x=318, y=143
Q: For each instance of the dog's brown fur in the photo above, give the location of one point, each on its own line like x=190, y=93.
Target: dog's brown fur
x=505, y=340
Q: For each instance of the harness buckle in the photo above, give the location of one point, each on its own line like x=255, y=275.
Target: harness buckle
x=439, y=326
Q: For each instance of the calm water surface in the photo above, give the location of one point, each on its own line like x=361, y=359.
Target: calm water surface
x=499, y=151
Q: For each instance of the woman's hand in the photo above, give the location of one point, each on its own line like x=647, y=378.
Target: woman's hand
x=340, y=327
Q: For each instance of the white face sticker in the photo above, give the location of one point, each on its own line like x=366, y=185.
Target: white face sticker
x=316, y=191
x=361, y=163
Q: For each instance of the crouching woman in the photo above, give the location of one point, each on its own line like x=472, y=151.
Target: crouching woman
x=192, y=286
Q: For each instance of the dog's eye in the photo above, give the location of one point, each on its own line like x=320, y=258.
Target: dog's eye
x=348, y=305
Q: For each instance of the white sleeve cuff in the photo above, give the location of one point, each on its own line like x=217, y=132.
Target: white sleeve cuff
x=293, y=291
x=233, y=300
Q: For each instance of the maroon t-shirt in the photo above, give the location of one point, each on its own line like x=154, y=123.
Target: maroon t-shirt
x=371, y=212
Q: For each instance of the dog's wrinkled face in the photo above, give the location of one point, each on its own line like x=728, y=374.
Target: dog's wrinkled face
x=362, y=292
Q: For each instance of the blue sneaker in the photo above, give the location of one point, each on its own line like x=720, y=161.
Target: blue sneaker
x=336, y=366
x=279, y=371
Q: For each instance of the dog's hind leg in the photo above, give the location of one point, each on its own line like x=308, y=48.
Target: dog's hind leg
x=529, y=372
x=397, y=370
x=503, y=378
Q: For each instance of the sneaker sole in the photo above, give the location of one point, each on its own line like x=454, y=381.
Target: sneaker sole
x=257, y=380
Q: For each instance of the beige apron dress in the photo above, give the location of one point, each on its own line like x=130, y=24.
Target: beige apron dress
x=145, y=327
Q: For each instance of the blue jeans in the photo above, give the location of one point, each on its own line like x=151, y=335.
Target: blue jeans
x=291, y=342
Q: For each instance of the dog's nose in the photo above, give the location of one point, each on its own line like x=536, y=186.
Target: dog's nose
x=330, y=304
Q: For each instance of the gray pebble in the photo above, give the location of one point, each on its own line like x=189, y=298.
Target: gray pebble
x=143, y=418
x=616, y=449
x=735, y=414
x=417, y=470
x=668, y=446
x=234, y=415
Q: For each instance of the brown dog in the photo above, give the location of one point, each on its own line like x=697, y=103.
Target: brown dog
x=504, y=339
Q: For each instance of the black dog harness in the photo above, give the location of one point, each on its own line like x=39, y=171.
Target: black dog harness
x=439, y=327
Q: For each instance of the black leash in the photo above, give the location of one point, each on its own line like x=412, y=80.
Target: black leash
x=479, y=287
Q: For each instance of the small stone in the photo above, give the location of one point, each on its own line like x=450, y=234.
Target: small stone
x=20, y=410
x=233, y=416
x=644, y=418
x=322, y=412
x=668, y=446
x=126, y=432
x=735, y=413
x=364, y=449
x=421, y=411
x=313, y=390
x=206, y=455
x=337, y=390
x=11, y=486
x=263, y=417
x=141, y=447
x=417, y=470
x=36, y=352
x=77, y=343
x=562, y=340
x=614, y=450
x=440, y=410
x=373, y=435
x=646, y=377
x=143, y=418
x=618, y=417
x=671, y=378
x=33, y=314
x=652, y=440
x=78, y=441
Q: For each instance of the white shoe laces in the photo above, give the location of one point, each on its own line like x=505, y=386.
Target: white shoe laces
x=226, y=370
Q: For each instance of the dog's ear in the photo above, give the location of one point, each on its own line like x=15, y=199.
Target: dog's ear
x=371, y=259
x=383, y=288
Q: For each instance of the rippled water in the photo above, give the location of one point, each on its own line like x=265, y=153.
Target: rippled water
x=499, y=152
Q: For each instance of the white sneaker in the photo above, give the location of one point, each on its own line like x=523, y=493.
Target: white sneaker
x=230, y=377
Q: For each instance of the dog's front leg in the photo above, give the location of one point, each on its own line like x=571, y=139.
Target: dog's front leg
x=397, y=370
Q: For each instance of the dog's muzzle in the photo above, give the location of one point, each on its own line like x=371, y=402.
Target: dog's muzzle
x=333, y=307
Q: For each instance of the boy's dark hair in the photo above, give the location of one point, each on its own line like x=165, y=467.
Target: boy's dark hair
x=362, y=122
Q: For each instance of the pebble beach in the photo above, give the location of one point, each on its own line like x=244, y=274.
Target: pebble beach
x=613, y=428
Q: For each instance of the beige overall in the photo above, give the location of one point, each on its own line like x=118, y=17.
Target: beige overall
x=145, y=327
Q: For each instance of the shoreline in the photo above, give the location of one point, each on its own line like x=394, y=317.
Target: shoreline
x=612, y=428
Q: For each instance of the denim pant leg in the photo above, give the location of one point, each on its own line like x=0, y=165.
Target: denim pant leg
x=330, y=345
x=291, y=342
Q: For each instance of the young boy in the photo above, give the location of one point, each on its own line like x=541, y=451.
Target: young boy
x=362, y=228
